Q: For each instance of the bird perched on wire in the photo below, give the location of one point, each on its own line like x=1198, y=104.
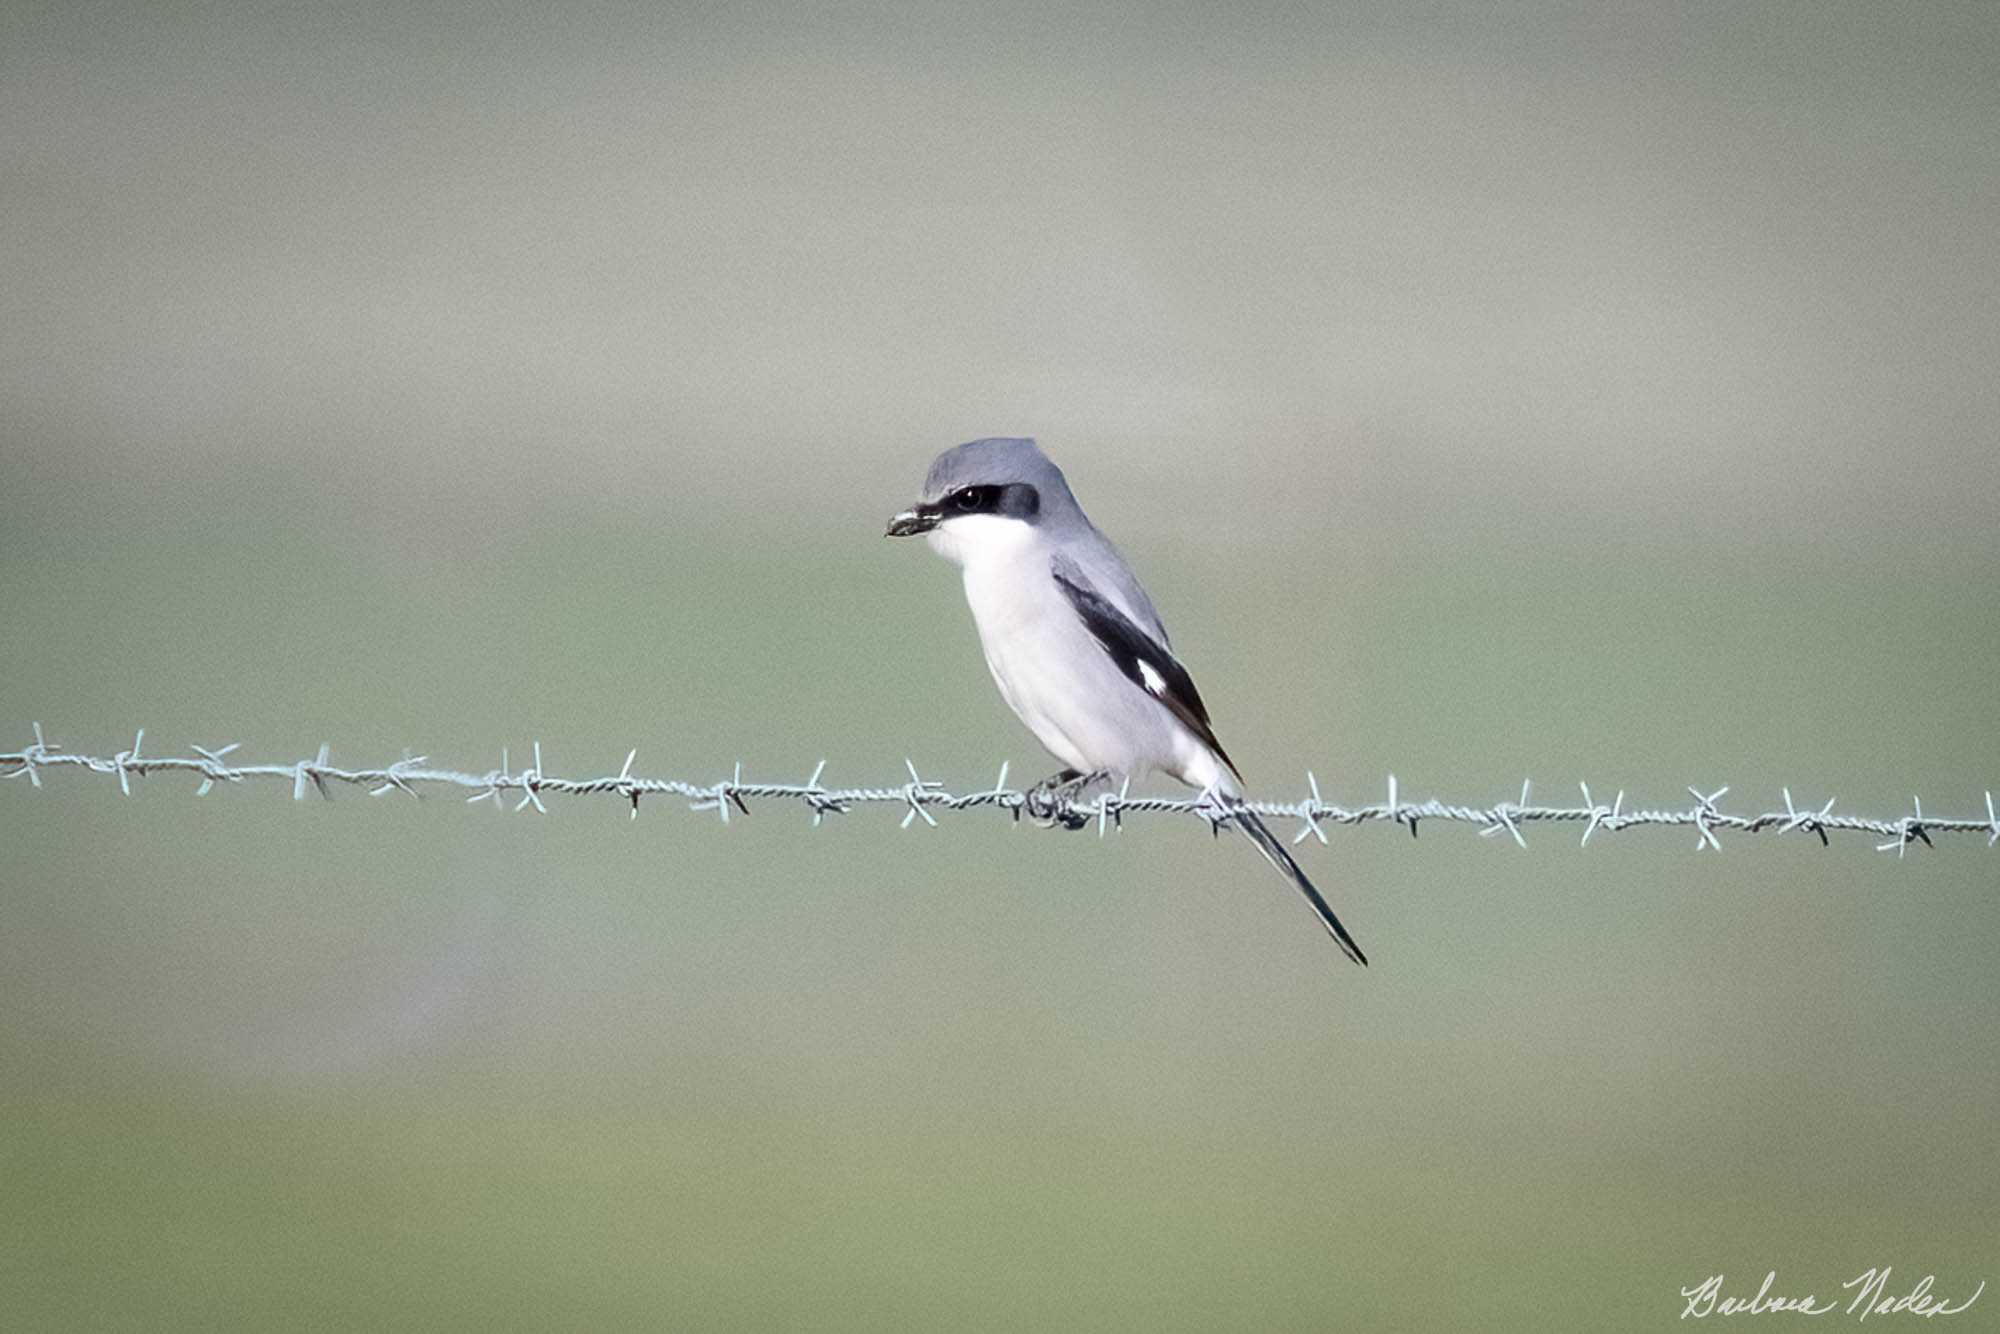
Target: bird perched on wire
x=1073, y=641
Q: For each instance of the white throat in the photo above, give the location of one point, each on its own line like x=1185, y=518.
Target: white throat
x=980, y=539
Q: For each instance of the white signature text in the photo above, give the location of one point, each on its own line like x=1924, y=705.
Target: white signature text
x=1870, y=1289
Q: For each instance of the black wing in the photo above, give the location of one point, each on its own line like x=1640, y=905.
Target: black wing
x=1144, y=660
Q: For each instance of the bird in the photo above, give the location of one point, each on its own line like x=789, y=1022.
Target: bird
x=1073, y=642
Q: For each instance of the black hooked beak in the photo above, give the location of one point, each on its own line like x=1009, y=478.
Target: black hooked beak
x=911, y=522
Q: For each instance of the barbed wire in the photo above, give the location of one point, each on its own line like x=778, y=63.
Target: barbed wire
x=1065, y=806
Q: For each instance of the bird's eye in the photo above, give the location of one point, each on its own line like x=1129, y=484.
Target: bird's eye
x=969, y=499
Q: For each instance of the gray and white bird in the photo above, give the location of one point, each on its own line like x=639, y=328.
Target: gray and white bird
x=1073, y=641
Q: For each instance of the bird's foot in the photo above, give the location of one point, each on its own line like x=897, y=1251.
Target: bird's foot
x=1049, y=801
x=1215, y=807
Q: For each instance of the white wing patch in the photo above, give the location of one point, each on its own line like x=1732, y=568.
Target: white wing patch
x=1156, y=685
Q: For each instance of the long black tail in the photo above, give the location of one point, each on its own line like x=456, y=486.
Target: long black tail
x=1279, y=856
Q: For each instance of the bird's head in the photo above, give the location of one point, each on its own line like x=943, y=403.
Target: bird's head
x=985, y=496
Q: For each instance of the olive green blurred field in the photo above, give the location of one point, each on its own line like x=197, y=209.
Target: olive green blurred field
x=389, y=1061
x=1474, y=406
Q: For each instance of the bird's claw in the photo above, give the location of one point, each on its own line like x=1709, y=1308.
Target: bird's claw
x=1049, y=802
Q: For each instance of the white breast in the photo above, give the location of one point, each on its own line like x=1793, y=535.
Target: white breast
x=1049, y=668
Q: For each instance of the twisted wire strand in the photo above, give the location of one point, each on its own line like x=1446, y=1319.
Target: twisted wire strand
x=920, y=796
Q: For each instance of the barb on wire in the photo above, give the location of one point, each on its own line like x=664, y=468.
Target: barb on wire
x=919, y=797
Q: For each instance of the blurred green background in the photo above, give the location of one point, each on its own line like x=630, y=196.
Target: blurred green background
x=1584, y=392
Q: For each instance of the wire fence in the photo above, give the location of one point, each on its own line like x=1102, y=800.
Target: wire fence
x=1071, y=806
